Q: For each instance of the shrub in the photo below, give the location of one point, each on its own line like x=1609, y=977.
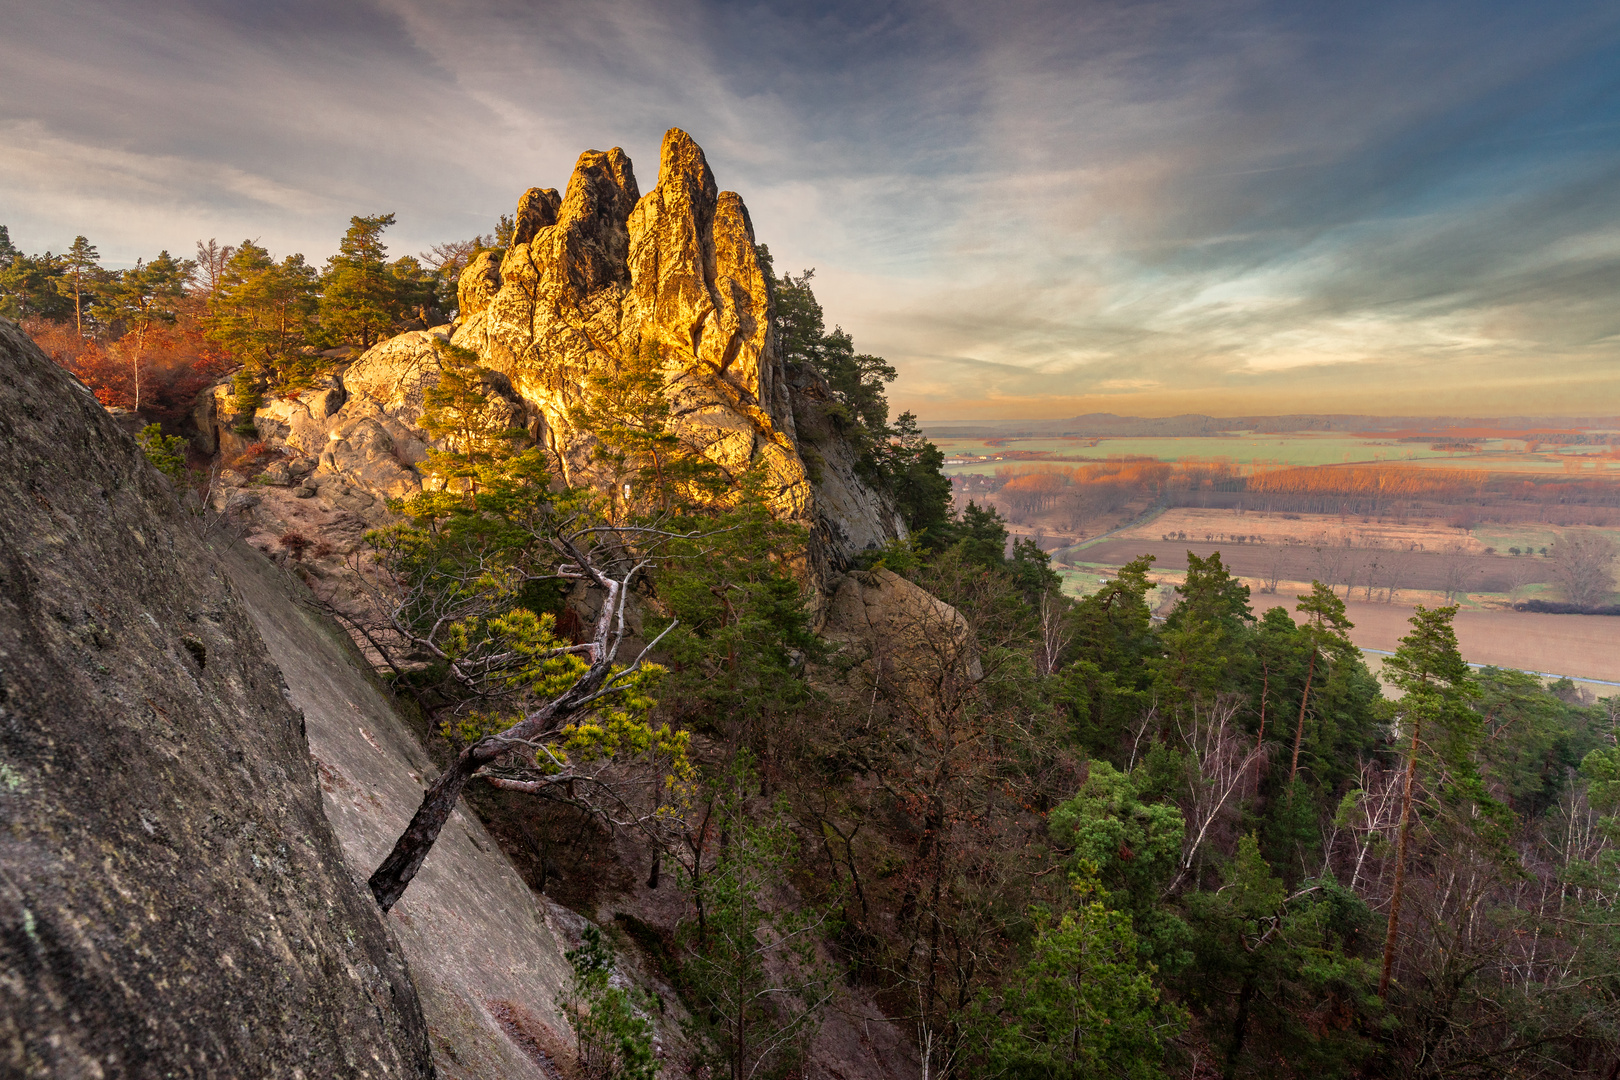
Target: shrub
x=296, y=544
x=167, y=453
x=612, y=1036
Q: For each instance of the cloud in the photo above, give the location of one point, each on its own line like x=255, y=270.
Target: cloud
x=1027, y=206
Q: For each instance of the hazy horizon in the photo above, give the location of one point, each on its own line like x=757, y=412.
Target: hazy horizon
x=1031, y=209
x=1514, y=417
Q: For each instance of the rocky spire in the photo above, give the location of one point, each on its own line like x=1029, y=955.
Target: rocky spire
x=593, y=278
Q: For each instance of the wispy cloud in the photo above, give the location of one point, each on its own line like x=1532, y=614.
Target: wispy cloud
x=1032, y=208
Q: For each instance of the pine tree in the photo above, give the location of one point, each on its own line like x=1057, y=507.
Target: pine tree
x=1084, y=1004
x=29, y=286
x=911, y=465
x=458, y=410
x=626, y=408
x=262, y=313
x=1428, y=667
x=1327, y=630
x=749, y=961
x=362, y=299
x=81, y=270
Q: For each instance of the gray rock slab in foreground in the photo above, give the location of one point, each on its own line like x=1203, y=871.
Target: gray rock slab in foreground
x=173, y=901
x=483, y=949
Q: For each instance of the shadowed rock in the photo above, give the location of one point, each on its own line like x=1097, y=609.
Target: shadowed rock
x=172, y=899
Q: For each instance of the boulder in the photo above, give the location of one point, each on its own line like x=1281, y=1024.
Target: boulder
x=478, y=284
x=906, y=641
x=174, y=901
x=239, y=502
x=276, y=473
x=392, y=375
x=299, y=420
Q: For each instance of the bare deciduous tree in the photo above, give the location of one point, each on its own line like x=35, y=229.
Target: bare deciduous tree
x=1456, y=571
x=1219, y=760
x=1582, y=562
x=1056, y=631
x=1274, y=565
x=211, y=260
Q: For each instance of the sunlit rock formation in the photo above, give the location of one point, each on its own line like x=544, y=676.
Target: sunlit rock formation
x=607, y=273
x=593, y=277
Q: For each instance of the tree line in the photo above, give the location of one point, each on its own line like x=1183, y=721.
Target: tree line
x=1079, y=493
x=150, y=336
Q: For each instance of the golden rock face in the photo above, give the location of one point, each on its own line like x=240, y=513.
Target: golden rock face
x=603, y=272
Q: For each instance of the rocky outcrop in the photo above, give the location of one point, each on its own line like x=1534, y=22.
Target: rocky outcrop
x=616, y=274
x=357, y=434
x=904, y=640
x=594, y=277
x=609, y=273
x=173, y=901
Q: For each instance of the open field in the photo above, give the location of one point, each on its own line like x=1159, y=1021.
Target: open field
x=1417, y=533
x=1216, y=525
x=1305, y=448
x=1416, y=556
x=1579, y=646
x=1406, y=572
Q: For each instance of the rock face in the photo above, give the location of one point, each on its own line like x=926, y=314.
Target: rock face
x=593, y=277
x=485, y=952
x=608, y=273
x=911, y=644
x=173, y=901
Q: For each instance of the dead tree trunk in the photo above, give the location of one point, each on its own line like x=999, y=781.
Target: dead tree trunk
x=390, y=879
x=1299, y=732
x=1400, y=864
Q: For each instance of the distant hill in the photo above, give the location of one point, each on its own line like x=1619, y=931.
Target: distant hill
x=1195, y=424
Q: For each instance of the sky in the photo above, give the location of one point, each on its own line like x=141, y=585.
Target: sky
x=1031, y=209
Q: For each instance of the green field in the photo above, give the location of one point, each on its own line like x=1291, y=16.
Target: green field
x=1497, y=455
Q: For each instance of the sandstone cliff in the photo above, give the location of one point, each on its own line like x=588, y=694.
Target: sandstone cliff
x=173, y=901
x=594, y=276
x=606, y=273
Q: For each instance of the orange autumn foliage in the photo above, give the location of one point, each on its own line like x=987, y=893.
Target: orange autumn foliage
x=1378, y=482
x=175, y=365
